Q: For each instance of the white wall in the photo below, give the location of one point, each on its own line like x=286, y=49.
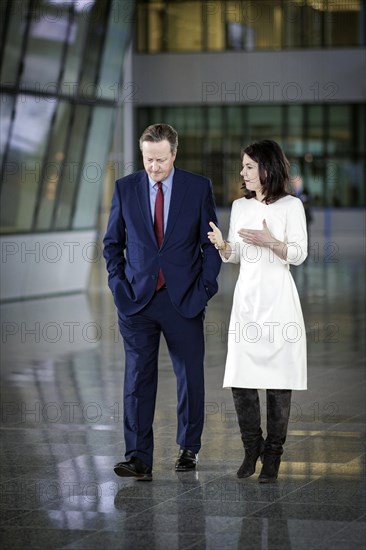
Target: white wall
x=47, y=263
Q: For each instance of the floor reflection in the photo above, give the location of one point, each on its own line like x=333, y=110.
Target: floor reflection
x=61, y=383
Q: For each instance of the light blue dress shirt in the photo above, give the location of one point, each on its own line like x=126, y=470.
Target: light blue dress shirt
x=167, y=190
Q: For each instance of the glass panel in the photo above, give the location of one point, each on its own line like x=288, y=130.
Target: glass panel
x=146, y=117
x=360, y=168
x=342, y=26
x=236, y=122
x=340, y=133
x=141, y=31
x=189, y=124
x=212, y=168
x=236, y=139
x=150, y=27
x=237, y=128
x=233, y=179
x=293, y=24
x=247, y=25
x=53, y=167
x=184, y=26
x=213, y=20
x=346, y=182
x=72, y=167
x=94, y=43
x=360, y=117
x=336, y=183
x=312, y=30
x=7, y=103
x=23, y=163
x=211, y=138
x=214, y=121
x=47, y=33
x=93, y=168
x=315, y=129
x=315, y=180
x=191, y=164
x=13, y=45
x=117, y=34
x=254, y=25
x=74, y=54
x=4, y=7
x=294, y=143
x=264, y=122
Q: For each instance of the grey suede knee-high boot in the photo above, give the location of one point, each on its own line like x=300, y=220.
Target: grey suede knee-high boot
x=278, y=414
x=247, y=408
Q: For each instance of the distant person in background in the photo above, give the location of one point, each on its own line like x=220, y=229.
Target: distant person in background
x=297, y=183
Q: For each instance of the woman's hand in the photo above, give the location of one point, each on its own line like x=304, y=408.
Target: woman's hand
x=258, y=237
x=215, y=236
x=263, y=237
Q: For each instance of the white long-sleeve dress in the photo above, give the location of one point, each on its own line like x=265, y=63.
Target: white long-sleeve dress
x=266, y=336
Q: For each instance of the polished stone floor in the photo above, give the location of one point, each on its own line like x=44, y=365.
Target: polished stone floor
x=61, y=432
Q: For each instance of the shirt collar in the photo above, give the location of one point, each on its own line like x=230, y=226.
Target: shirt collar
x=168, y=182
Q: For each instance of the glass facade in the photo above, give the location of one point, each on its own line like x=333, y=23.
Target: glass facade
x=218, y=25
x=324, y=143
x=60, y=67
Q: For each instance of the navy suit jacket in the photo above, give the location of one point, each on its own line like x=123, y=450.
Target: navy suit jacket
x=190, y=263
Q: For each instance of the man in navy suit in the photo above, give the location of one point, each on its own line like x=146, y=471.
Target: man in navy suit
x=162, y=272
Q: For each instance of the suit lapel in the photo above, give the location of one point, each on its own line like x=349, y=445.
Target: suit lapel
x=143, y=200
x=179, y=190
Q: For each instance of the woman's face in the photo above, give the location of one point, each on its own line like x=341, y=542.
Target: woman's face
x=250, y=174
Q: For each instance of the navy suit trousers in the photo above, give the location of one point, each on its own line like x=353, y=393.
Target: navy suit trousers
x=185, y=340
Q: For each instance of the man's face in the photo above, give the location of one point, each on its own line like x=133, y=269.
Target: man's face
x=158, y=159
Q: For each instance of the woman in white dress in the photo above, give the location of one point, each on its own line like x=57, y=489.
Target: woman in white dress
x=266, y=337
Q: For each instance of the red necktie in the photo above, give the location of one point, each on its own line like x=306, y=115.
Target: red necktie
x=159, y=227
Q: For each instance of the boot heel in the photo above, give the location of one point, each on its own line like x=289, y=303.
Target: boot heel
x=261, y=455
x=247, y=469
x=269, y=472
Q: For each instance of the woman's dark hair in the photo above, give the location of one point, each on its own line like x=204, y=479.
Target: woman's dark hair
x=273, y=169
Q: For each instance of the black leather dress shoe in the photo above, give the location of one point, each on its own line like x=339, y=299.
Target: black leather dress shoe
x=134, y=468
x=187, y=460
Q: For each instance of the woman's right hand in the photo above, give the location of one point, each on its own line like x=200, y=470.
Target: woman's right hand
x=215, y=236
